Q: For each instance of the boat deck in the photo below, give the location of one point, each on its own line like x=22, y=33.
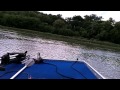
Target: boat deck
x=50, y=69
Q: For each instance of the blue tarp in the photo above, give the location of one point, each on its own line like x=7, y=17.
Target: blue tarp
x=50, y=69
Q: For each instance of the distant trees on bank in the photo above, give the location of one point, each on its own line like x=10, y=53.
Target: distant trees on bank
x=90, y=27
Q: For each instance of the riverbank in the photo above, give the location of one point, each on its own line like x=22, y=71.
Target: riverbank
x=71, y=40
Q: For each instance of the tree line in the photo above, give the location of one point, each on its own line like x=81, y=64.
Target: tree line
x=89, y=26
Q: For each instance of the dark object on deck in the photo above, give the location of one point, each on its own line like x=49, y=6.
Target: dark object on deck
x=19, y=57
x=2, y=68
x=5, y=59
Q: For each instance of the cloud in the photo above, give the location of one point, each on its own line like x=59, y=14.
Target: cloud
x=114, y=14
x=105, y=14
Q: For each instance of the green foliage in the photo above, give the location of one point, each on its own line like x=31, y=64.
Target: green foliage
x=59, y=23
x=90, y=27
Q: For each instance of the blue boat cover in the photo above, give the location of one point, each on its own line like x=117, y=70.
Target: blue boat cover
x=50, y=69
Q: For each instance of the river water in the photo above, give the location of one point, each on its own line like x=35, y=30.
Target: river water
x=106, y=63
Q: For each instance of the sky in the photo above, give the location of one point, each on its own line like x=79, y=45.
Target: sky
x=105, y=14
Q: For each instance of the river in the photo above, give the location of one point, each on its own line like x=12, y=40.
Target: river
x=105, y=62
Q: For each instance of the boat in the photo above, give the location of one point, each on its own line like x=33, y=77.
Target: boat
x=51, y=69
x=22, y=66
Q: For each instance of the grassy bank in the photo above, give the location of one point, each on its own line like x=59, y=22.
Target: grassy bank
x=71, y=40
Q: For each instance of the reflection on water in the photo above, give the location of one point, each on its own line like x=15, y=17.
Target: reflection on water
x=105, y=62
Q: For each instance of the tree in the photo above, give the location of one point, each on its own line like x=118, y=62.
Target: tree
x=111, y=21
x=59, y=23
x=59, y=15
x=93, y=17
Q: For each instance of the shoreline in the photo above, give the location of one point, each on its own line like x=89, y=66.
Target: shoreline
x=70, y=40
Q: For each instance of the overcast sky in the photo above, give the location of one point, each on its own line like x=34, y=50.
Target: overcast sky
x=105, y=14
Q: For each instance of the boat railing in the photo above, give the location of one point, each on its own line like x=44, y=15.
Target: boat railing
x=98, y=75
